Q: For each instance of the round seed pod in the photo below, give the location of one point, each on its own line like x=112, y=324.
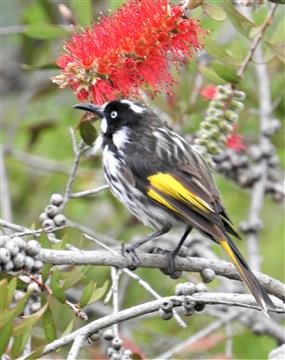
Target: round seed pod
x=188, y=304
x=38, y=265
x=5, y=256
x=201, y=288
x=12, y=246
x=20, y=242
x=56, y=199
x=48, y=224
x=167, y=306
x=33, y=286
x=28, y=263
x=110, y=352
x=43, y=216
x=165, y=315
x=3, y=240
x=186, y=288
x=199, y=306
x=108, y=335
x=59, y=220
x=176, y=274
x=116, y=356
x=51, y=211
x=33, y=248
x=19, y=295
x=208, y=275
x=117, y=343
x=9, y=266
x=128, y=352
x=19, y=261
x=35, y=306
x=95, y=336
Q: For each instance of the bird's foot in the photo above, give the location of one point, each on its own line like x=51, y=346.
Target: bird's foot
x=170, y=270
x=131, y=252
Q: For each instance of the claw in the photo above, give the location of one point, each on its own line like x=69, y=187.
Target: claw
x=174, y=274
x=135, y=259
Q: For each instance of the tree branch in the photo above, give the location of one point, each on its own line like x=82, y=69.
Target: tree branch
x=244, y=301
x=192, y=264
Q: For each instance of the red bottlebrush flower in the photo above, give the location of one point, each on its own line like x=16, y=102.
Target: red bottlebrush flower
x=128, y=50
x=209, y=92
x=235, y=142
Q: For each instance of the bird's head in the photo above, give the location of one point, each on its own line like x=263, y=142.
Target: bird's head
x=116, y=114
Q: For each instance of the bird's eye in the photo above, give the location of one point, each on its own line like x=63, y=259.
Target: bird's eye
x=114, y=114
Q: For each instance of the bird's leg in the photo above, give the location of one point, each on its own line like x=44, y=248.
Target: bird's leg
x=173, y=253
x=131, y=249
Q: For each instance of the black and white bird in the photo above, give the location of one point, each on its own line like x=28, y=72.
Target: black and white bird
x=164, y=182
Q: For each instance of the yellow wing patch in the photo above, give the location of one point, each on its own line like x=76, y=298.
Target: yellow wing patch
x=156, y=196
x=167, y=184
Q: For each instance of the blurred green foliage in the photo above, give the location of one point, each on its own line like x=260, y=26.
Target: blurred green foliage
x=36, y=122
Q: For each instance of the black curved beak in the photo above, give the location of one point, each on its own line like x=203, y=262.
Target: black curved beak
x=91, y=108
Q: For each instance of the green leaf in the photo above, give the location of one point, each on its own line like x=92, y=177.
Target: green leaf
x=86, y=294
x=75, y=276
x=226, y=72
x=46, y=271
x=214, y=12
x=211, y=75
x=240, y=22
x=5, y=336
x=61, y=244
x=48, y=324
x=55, y=284
x=98, y=293
x=19, y=343
x=87, y=132
x=15, y=311
x=48, y=66
x=82, y=10
x=278, y=49
x=277, y=1
x=11, y=290
x=29, y=321
x=115, y=4
x=44, y=31
x=68, y=329
x=217, y=51
x=3, y=295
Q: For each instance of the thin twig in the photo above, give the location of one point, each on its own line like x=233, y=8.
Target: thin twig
x=214, y=326
x=89, y=192
x=75, y=348
x=78, y=152
x=5, y=198
x=256, y=41
x=115, y=274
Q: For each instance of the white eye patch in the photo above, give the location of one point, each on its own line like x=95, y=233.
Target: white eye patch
x=104, y=125
x=134, y=107
x=114, y=114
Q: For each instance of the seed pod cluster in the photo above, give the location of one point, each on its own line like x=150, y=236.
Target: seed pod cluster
x=51, y=217
x=115, y=350
x=16, y=254
x=187, y=289
x=221, y=115
x=244, y=168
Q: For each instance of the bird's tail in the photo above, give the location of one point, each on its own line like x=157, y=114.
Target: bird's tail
x=257, y=290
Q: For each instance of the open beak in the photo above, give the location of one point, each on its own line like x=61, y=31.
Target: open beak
x=91, y=108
